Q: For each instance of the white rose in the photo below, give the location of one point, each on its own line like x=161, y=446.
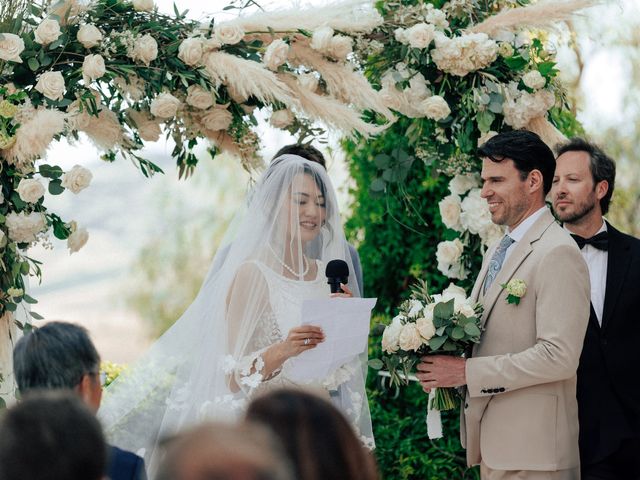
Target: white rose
x=217, y=119
x=491, y=234
x=435, y=108
x=321, y=39
x=410, y=337
x=276, y=54
x=145, y=49
x=449, y=252
x=165, y=105
x=458, y=294
x=534, y=80
x=437, y=17
x=282, y=118
x=401, y=35
x=89, y=36
x=30, y=190
x=475, y=215
x=308, y=81
x=190, y=51
x=420, y=35
x=462, y=183
x=391, y=335
x=23, y=228
x=450, y=209
x=198, y=97
x=77, y=240
x=505, y=50
x=93, y=68
x=11, y=46
x=211, y=44
x=485, y=137
x=47, y=32
x=426, y=328
x=415, y=308
x=228, y=34
x=340, y=47
x=392, y=98
x=51, y=85
x=467, y=310
x=143, y=5
x=77, y=179
x=149, y=130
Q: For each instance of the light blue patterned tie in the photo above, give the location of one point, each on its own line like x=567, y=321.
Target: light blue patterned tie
x=496, y=262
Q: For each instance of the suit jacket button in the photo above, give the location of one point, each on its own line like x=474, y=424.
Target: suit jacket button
x=466, y=405
x=502, y=389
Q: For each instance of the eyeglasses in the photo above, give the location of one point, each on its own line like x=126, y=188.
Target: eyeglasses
x=102, y=376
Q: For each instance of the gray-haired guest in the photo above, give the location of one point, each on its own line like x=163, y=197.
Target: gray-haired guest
x=59, y=356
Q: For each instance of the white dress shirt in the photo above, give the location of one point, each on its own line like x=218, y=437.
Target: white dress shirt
x=597, y=262
x=521, y=230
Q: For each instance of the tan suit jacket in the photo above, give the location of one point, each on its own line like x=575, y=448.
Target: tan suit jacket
x=520, y=411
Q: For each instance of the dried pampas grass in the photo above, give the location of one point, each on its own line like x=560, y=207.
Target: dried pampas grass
x=343, y=82
x=104, y=130
x=547, y=132
x=355, y=16
x=543, y=14
x=246, y=78
x=330, y=111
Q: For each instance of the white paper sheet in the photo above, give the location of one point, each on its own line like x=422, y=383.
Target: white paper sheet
x=345, y=322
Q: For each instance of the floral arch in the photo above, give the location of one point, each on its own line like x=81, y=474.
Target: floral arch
x=121, y=73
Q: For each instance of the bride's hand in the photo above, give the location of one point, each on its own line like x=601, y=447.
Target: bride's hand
x=302, y=338
x=347, y=292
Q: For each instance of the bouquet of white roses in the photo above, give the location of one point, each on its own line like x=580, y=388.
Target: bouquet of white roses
x=446, y=323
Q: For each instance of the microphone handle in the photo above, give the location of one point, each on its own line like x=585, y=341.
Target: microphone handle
x=334, y=283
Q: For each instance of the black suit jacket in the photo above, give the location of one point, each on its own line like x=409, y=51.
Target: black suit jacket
x=608, y=388
x=123, y=465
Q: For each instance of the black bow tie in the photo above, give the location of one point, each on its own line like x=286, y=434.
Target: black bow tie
x=599, y=241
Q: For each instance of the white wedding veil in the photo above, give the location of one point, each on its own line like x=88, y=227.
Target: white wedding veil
x=208, y=364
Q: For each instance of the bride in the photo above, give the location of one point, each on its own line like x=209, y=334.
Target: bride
x=237, y=337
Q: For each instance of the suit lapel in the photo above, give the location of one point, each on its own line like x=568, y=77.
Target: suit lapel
x=618, y=262
x=520, y=252
x=477, y=287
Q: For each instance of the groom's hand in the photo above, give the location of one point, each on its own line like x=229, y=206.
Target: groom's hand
x=441, y=371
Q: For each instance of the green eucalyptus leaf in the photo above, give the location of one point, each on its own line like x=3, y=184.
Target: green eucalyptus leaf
x=472, y=329
x=376, y=364
x=29, y=299
x=33, y=64
x=382, y=160
x=378, y=185
x=436, y=342
x=35, y=315
x=55, y=187
x=457, y=333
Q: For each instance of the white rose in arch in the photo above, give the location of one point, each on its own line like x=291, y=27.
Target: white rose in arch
x=340, y=47
x=11, y=46
x=228, y=34
x=534, y=80
x=93, y=68
x=217, y=119
x=321, y=39
x=401, y=35
x=435, y=108
x=410, y=337
x=391, y=335
x=450, y=210
x=165, y=105
x=24, y=228
x=77, y=239
x=462, y=183
x=77, y=179
x=420, y=35
x=190, y=51
x=282, y=118
x=30, y=190
x=89, y=36
x=308, y=81
x=51, y=85
x=198, y=97
x=145, y=49
x=449, y=252
x=143, y=5
x=47, y=32
x=485, y=137
x=276, y=54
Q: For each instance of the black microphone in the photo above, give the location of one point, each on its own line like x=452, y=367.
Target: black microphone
x=337, y=272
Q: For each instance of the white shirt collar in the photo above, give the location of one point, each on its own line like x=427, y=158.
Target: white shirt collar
x=521, y=230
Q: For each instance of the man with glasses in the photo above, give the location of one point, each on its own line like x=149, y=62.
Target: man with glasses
x=61, y=356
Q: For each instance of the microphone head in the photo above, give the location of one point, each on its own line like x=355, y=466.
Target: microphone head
x=337, y=268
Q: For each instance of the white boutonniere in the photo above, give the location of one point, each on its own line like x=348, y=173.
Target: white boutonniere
x=516, y=289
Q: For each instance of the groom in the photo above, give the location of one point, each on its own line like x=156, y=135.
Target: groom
x=520, y=413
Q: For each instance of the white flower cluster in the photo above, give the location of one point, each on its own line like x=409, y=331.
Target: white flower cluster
x=520, y=106
x=414, y=101
x=464, y=54
x=334, y=46
x=25, y=227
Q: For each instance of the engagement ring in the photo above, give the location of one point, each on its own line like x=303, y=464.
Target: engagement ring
x=306, y=341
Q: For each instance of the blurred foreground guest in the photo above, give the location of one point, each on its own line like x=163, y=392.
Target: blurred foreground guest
x=317, y=437
x=216, y=451
x=61, y=356
x=51, y=436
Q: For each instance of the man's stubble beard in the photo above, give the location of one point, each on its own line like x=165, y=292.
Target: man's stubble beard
x=582, y=210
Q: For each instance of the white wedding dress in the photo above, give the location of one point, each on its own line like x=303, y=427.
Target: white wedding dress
x=245, y=306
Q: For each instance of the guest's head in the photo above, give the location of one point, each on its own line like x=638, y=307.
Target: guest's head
x=216, y=451
x=583, y=183
x=318, y=439
x=307, y=151
x=59, y=355
x=517, y=171
x=51, y=436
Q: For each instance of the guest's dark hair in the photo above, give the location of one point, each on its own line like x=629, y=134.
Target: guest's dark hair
x=318, y=439
x=56, y=355
x=526, y=149
x=51, y=436
x=307, y=151
x=601, y=165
